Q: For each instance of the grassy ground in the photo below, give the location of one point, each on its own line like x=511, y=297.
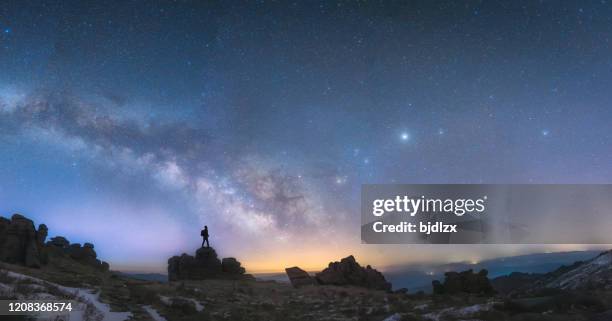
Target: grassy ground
x=270, y=301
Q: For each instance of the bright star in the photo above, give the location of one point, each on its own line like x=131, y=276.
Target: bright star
x=545, y=132
x=405, y=136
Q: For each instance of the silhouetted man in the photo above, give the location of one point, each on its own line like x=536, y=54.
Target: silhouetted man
x=204, y=234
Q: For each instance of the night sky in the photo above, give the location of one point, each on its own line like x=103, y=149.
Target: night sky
x=132, y=124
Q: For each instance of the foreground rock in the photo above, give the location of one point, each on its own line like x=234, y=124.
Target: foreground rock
x=464, y=282
x=299, y=277
x=349, y=272
x=21, y=243
x=205, y=265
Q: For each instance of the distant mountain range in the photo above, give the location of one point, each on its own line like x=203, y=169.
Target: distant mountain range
x=419, y=277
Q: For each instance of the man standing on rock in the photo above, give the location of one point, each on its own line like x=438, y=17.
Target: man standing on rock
x=204, y=234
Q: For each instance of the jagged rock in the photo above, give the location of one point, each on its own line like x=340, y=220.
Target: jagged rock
x=85, y=254
x=41, y=234
x=299, y=277
x=205, y=265
x=59, y=241
x=349, y=272
x=232, y=266
x=19, y=241
x=464, y=282
x=207, y=255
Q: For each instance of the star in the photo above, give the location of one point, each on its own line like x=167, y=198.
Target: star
x=545, y=132
x=404, y=136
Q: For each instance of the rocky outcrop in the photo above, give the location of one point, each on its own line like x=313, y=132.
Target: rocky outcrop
x=20, y=242
x=58, y=241
x=60, y=246
x=349, y=272
x=83, y=254
x=299, y=277
x=232, y=266
x=205, y=265
x=464, y=282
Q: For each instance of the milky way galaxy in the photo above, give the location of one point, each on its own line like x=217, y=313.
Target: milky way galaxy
x=133, y=125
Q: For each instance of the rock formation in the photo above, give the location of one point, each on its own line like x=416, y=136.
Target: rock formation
x=83, y=254
x=20, y=242
x=349, y=272
x=299, y=277
x=205, y=265
x=464, y=282
x=232, y=266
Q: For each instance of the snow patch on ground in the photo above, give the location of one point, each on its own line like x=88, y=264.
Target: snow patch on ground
x=86, y=296
x=153, y=313
x=395, y=317
x=457, y=312
x=168, y=301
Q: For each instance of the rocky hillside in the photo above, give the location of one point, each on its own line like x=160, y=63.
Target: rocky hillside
x=21, y=243
x=592, y=274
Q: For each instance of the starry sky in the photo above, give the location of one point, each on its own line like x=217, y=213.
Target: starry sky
x=133, y=124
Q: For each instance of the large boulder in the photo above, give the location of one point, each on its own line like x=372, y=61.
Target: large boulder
x=464, y=282
x=299, y=277
x=232, y=266
x=349, y=272
x=205, y=265
x=20, y=242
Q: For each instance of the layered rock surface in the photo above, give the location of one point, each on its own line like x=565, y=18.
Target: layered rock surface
x=349, y=272
x=205, y=265
x=345, y=272
x=299, y=277
x=83, y=254
x=21, y=243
